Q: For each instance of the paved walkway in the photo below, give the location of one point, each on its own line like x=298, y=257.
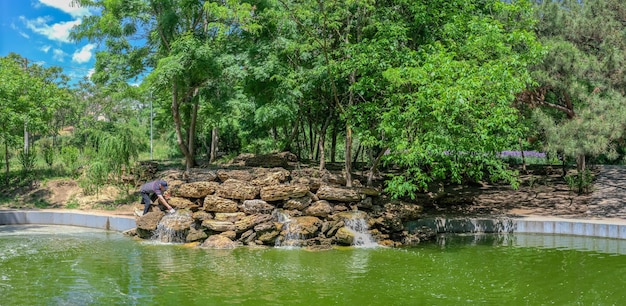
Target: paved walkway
x=608, y=199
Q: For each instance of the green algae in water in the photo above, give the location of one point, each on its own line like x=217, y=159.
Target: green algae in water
x=90, y=267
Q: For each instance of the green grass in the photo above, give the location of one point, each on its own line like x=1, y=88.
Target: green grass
x=161, y=151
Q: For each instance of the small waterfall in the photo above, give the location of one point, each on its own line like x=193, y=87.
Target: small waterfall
x=291, y=237
x=358, y=225
x=470, y=225
x=169, y=229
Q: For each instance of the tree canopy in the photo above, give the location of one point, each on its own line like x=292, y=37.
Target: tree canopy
x=434, y=89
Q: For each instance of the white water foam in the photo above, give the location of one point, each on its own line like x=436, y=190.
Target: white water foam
x=292, y=237
x=165, y=234
x=362, y=237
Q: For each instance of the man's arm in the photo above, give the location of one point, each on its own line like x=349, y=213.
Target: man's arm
x=164, y=202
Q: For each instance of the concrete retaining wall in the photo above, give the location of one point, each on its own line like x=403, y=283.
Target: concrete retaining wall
x=590, y=228
x=114, y=223
x=593, y=228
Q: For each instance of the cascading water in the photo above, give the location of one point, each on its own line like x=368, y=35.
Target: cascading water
x=291, y=238
x=358, y=225
x=169, y=229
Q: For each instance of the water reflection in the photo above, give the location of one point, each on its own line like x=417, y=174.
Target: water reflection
x=359, y=263
x=562, y=242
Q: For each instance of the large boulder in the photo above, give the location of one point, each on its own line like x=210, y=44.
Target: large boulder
x=150, y=220
x=257, y=207
x=250, y=221
x=305, y=227
x=213, y=203
x=344, y=236
x=268, y=237
x=298, y=203
x=338, y=194
x=268, y=177
x=219, y=242
x=177, y=222
x=237, y=189
x=230, y=217
x=147, y=224
x=283, y=192
x=218, y=226
x=196, y=235
x=320, y=209
x=241, y=175
x=196, y=190
x=200, y=174
x=183, y=203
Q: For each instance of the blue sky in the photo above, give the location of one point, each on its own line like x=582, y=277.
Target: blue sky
x=39, y=31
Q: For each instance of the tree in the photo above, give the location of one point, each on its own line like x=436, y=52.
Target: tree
x=29, y=96
x=580, y=96
x=181, y=42
x=449, y=108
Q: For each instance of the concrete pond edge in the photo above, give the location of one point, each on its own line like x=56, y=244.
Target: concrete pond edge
x=71, y=218
x=605, y=228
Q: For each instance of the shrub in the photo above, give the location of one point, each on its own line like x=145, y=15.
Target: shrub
x=581, y=182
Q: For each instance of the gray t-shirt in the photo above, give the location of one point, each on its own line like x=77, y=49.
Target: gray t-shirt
x=152, y=187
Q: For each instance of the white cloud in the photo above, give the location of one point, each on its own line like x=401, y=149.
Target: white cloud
x=66, y=6
x=84, y=54
x=45, y=48
x=91, y=72
x=23, y=34
x=58, y=31
x=58, y=54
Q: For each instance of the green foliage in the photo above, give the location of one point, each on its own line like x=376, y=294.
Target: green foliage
x=96, y=176
x=40, y=203
x=69, y=156
x=580, y=182
x=581, y=81
x=27, y=160
x=48, y=151
x=30, y=96
x=72, y=204
x=450, y=105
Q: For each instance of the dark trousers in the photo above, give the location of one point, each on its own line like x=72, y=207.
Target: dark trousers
x=147, y=200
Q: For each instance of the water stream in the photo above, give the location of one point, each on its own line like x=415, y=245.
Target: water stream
x=167, y=229
x=362, y=237
x=291, y=238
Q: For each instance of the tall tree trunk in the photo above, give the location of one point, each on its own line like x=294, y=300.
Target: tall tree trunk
x=311, y=141
x=333, y=144
x=6, y=161
x=322, y=140
x=581, y=163
x=305, y=139
x=521, y=148
x=374, y=168
x=191, y=136
x=292, y=136
x=180, y=140
x=348, y=169
x=348, y=161
x=214, y=143
x=26, y=142
x=355, y=159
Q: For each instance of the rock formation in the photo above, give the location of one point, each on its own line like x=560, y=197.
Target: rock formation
x=252, y=205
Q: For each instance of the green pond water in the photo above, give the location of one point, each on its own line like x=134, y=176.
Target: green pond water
x=56, y=265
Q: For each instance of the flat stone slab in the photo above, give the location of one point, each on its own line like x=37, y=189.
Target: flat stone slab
x=73, y=218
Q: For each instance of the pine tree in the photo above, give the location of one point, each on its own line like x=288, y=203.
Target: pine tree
x=580, y=101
